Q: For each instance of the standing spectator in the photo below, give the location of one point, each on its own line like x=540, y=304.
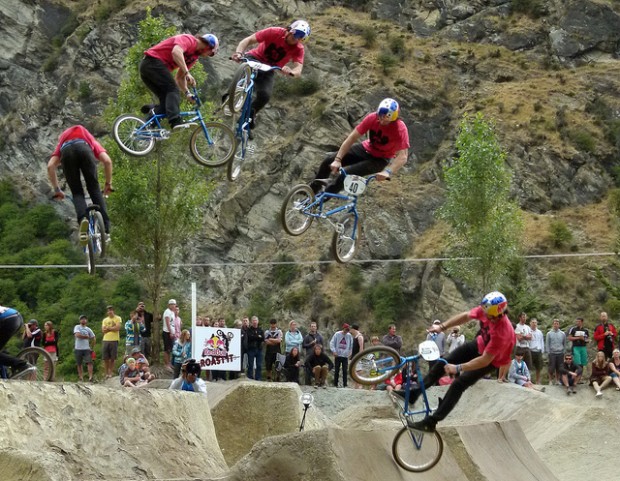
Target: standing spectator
x=570, y=373
x=177, y=323
x=524, y=336
x=217, y=375
x=391, y=339
x=319, y=365
x=273, y=343
x=255, y=344
x=341, y=345
x=311, y=339
x=555, y=345
x=32, y=334
x=145, y=318
x=293, y=338
x=605, y=334
x=245, y=323
x=110, y=326
x=579, y=336
x=84, y=346
x=358, y=339
x=537, y=348
x=455, y=339
x=292, y=364
x=134, y=328
x=237, y=324
x=614, y=367
x=601, y=371
x=438, y=338
x=50, y=340
x=181, y=351
x=169, y=334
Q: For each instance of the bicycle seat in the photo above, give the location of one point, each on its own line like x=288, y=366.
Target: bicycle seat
x=93, y=207
x=147, y=109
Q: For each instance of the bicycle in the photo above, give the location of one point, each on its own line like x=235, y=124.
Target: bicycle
x=96, y=244
x=301, y=206
x=239, y=101
x=40, y=360
x=212, y=144
x=413, y=450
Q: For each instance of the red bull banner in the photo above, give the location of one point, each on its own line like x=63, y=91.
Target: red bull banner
x=217, y=348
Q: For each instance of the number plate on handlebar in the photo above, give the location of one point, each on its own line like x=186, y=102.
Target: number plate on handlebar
x=429, y=351
x=259, y=66
x=354, y=184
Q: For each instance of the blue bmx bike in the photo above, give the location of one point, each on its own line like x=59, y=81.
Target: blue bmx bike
x=412, y=450
x=301, y=206
x=212, y=144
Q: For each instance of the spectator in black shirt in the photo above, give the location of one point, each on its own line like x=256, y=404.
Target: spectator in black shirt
x=255, y=344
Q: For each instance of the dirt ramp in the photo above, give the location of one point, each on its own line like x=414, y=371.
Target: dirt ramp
x=81, y=432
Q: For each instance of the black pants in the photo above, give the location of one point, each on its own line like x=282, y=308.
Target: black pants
x=263, y=87
x=460, y=355
x=344, y=362
x=160, y=81
x=357, y=162
x=79, y=158
x=9, y=325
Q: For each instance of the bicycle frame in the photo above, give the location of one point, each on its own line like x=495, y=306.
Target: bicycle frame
x=319, y=202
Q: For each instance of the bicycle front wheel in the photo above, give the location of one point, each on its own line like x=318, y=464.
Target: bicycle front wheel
x=41, y=360
x=233, y=168
x=417, y=451
x=346, y=238
x=238, y=90
x=215, y=147
x=293, y=219
x=131, y=140
x=374, y=365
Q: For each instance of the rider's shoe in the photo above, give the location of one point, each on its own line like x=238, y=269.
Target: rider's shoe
x=83, y=233
x=23, y=370
x=180, y=125
x=427, y=424
x=107, y=238
x=226, y=110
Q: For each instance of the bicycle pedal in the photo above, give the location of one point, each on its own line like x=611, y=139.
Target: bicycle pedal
x=251, y=148
x=163, y=135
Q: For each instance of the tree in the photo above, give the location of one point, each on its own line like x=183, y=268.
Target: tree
x=156, y=208
x=485, y=225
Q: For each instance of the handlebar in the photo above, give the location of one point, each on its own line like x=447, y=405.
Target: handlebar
x=256, y=65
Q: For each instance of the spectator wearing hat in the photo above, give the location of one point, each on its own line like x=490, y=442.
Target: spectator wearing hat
x=189, y=379
x=341, y=345
x=32, y=334
x=84, y=345
x=169, y=333
x=137, y=354
x=145, y=372
x=110, y=327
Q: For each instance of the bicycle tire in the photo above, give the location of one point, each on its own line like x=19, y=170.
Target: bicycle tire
x=374, y=365
x=42, y=360
x=237, y=91
x=233, y=168
x=123, y=132
x=411, y=457
x=90, y=255
x=99, y=241
x=222, y=148
x=344, y=245
x=291, y=210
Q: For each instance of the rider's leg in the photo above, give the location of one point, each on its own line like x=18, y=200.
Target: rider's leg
x=70, y=160
x=263, y=87
x=88, y=166
x=159, y=80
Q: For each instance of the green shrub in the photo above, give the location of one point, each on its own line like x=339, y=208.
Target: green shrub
x=84, y=90
x=351, y=307
x=296, y=299
x=531, y=8
x=582, y=140
x=612, y=307
x=558, y=280
x=284, y=274
x=561, y=235
x=397, y=46
x=387, y=61
x=355, y=279
x=369, y=34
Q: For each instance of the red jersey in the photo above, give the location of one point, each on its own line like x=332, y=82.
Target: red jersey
x=79, y=132
x=383, y=140
x=495, y=338
x=273, y=50
x=163, y=50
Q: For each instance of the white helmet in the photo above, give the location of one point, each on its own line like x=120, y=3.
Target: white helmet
x=300, y=30
x=389, y=109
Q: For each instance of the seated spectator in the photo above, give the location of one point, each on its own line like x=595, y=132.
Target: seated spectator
x=518, y=372
x=291, y=365
x=395, y=383
x=319, y=364
x=131, y=375
x=614, y=368
x=601, y=371
x=181, y=351
x=136, y=353
x=190, y=378
x=570, y=373
x=145, y=372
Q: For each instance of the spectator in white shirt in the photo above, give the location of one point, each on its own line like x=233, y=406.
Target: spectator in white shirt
x=537, y=348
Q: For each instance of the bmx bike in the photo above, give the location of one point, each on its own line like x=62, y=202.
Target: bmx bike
x=96, y=244
x=212, y=144
x=41, y=363
x=239, y=102
x=413, y=450
x=301, y=206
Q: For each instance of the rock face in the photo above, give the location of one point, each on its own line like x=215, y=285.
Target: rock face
x=58, y=67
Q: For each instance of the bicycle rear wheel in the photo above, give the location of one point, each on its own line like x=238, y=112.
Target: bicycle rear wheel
x=292, y=217
x=374, y=365
x=90, y=256
x=41, y=360
x=99, y=236
x=417, y=451
x=215, y=150
x=237, y=91
x=346, y=238
x=128, y=139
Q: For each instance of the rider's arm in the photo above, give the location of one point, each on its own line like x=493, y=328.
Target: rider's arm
x=294, y=70
x=105, y=159
x=455, y=320
x=344, y=149
x=476, y=363
x=52, y=165
x=244, y=44
x=395, y=165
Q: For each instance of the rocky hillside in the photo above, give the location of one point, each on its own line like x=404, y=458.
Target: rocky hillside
x=544, y=71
